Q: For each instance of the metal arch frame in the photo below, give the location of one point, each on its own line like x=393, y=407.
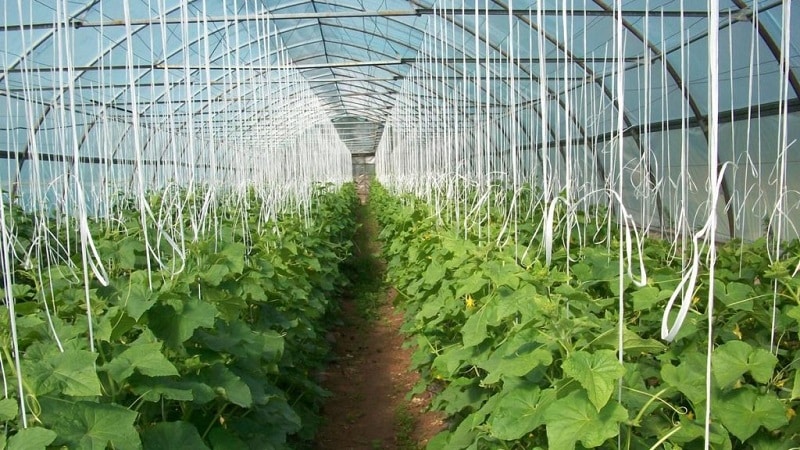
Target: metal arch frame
x=569, y=56
x=345, y=44
x=25, y=151
x=203, y=86
x=551, y=131
x=343, y=7
x=660, y=53
x=773, y=47
x=301, y=25
x=338, y=42
x=144, y=73
x=109, y=50
x=676, y=78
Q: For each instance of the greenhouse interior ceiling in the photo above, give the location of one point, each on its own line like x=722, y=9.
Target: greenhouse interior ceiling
x=177, y=212
x=563, y=95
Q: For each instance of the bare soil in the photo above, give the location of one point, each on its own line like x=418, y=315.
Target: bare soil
x=369, y=377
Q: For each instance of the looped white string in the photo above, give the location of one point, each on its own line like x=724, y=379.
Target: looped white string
x=685, y=288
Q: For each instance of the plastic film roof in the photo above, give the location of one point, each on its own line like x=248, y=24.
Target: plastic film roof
x=273, y=76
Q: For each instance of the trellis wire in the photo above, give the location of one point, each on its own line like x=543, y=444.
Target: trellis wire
x=259, y=129
x=630, y=182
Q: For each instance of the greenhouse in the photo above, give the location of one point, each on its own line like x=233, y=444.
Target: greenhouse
x=583, y=214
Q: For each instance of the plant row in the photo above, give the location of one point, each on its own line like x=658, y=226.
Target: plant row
x=526, y=355
x=213, y=343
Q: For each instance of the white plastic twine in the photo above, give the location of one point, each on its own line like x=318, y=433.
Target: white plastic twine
x=685, y=288
x=12, y=315
x=543, y=100
x=86, y=243
x=781, y=160
x=715, y=178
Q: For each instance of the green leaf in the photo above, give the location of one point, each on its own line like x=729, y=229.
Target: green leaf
x=9, y=408
x=648, y=297
x=516, y=364
x=474, y=329
x=501, y=273
x=33, y=438
x=71, y=372
x=520, y=411
x=153, y=389
x=734, y=295
x=575, y=418
x=146, y=358
x=233, y=254
x=688, y=378
x=173, y=436
x=177, y=322
x=433, y=274
x=597, y=372
x=460, y=394
x=733, y=359
x=214, y=275
x=88, y=425
x=227, y=385
x=796, y=385
x=473, y=284
x=237, y=338
x=451, y=359
x=222, y=439
x=633, y=344
x=744, y=410
x=136, y=297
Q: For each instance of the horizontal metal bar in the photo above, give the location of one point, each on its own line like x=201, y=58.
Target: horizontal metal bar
x=245, y=67
x=53, y=157
x=356, y=94
x=322, y=15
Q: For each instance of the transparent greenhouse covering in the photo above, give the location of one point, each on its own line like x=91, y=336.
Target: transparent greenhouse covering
x=675, y=120
x=139, y=93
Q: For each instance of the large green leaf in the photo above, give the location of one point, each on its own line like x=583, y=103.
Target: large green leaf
x=177, y=321
x=733, y=359
x=734, y=295
x=474, y=329
x=9, y=408
x=648, y=296
x=233, y=254
x=433, y=274
x=520, y=411
x=153, y=389
x=222, y=439
x=135, y=296
x=516, y=364
x=71, y=372
x=744, y=410
x=501, y=273
x=689, y=377
x=172, y=436
x=90, y=426
x=460, y=394
x=473, y=284
x=239, y=339
x=33, y=438
x=214, y=274
x=574, y=418
x=145, y=358
x=226, y=384
x=597, y=372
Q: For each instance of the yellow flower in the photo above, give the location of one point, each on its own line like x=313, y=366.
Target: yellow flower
x=737, y=331
x=470, y=302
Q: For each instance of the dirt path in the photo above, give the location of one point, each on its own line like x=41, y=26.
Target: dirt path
x=369, y=378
